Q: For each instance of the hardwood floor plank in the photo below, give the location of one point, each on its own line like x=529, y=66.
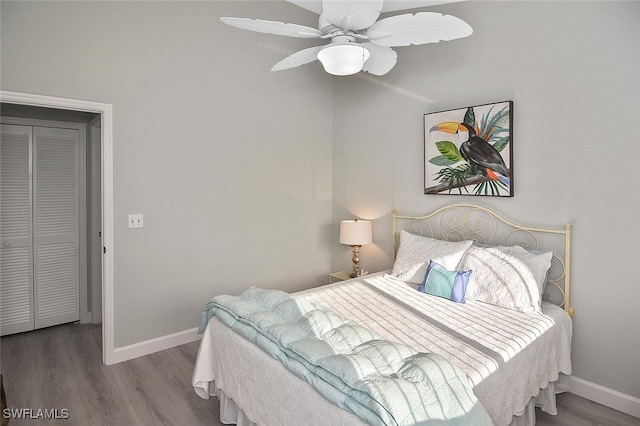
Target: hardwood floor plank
x=574, y=410
x=61, y=368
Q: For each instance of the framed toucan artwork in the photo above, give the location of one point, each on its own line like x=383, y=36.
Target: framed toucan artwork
x=468, y=151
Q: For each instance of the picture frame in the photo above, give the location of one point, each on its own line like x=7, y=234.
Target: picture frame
x=468, y=151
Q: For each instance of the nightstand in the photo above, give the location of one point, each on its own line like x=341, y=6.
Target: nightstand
x=339, y=276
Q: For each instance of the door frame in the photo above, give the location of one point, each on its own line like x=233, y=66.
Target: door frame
x=106, y=114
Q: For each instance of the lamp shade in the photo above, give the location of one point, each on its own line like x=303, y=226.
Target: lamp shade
x=355, y=232
x=343, y=59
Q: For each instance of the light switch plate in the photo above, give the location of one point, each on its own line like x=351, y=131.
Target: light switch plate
x=136, y=220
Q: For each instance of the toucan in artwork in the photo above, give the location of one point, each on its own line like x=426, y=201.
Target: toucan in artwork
x=482, y=157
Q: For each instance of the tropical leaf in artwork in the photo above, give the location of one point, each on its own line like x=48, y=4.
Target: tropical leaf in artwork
x=470, y=117
x=501, y=143
x=441, y=161
x=454, y=177
x=491, y=187
x=450, y=154
x=449, y=150
x=492, y=125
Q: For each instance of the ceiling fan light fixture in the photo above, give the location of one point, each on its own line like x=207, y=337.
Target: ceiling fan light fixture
x=344, y=58
x=357, y=39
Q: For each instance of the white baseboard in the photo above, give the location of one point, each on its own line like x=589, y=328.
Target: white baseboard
x=161, y=343
x=605, y=396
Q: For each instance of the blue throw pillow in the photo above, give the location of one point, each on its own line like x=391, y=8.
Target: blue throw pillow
x=441, y=282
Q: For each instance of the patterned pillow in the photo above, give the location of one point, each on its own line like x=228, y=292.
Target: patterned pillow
x=509, y=277
x=539, y=261
x=441, y=282
x=416, y=251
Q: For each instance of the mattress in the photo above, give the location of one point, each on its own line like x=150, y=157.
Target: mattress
x=507, y=355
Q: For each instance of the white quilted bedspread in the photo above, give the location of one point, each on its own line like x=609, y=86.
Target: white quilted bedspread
x=508, y=355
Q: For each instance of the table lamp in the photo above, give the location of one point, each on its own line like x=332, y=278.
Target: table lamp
x=355, y=233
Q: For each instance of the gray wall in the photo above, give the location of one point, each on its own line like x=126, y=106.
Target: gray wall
x=243, y=174
x=572, y=70
x=230, y=163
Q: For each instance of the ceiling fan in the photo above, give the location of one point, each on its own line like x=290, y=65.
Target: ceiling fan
x=357, y=40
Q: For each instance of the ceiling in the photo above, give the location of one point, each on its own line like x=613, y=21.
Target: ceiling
x=389, y=5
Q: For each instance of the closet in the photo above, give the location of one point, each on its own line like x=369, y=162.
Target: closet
x=42, y=214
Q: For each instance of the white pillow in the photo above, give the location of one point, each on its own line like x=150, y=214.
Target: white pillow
x=511, y=277
x=416, y=251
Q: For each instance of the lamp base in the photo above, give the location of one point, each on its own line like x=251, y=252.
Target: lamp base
x=355, y=259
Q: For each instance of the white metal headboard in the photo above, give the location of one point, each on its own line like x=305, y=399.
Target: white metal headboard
x=457, y=222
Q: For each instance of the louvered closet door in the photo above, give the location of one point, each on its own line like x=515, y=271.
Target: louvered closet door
x=16, y=278
x=55, y=225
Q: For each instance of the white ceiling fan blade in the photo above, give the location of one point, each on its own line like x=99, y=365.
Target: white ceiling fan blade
x=299, y=58
x=421, y=28
x=352, y=15
x=381, y=61
x=272, y=27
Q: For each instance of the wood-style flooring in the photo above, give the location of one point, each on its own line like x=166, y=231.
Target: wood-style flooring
x=61, y=368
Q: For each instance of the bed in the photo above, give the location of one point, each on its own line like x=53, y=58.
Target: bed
x=509, y=333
